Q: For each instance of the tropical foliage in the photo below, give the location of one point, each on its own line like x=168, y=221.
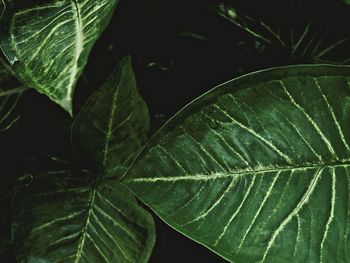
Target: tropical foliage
x=255, y=169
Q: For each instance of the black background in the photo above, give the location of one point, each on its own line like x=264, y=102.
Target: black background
x=180, y=49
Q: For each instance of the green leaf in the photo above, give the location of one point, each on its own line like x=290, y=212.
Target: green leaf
x=115, y=120
x=258, y=169
x=67, y=216
x=48, y=43
x=70, y=217
x=10, y=93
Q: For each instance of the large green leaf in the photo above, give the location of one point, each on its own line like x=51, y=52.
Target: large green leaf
x=258, y=169
x=10, y=92
x=48, y=42
x=70, y=217
x=114, y=120
x=74, y=217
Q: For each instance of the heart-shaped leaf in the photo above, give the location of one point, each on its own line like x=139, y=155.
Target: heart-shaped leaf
x=48, y=42
x=258, y=169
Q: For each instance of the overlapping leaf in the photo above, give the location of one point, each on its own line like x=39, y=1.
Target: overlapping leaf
x=72, y=216
x=48, y=42
x=258, y=169
x=114, y=120
x=68, y=217
x=10, y=92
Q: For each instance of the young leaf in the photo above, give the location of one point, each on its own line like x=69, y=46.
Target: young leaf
x=10, y=92
x=115, y=120
x=258, y=169
x=69, y=217
x=48, y=43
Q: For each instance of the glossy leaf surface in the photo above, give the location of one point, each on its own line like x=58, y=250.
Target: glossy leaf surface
x=258, y=169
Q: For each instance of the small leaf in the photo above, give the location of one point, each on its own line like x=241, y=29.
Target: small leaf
x=258, y=169
x=10, y=93
x=70, y=217
x=113, y=124
x=48, y=43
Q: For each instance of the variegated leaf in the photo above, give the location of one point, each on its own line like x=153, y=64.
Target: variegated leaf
x=48, y=42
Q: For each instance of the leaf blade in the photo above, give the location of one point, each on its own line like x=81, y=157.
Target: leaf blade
x=95, y=224
x=99, y=220
x=113, y=124
x=49, y=43
x=275, y=143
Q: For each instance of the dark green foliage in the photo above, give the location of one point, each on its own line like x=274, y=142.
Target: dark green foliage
x=61, y=175
x=244, y=168
x=115, y=120
x=76, y=216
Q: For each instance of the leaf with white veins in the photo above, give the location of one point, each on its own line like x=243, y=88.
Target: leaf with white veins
x=258, y=169
x=115, y=119
x=70, y=216
x=10, y=93
x=67, y=216
x=48, y=43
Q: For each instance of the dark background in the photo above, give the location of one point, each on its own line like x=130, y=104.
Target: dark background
x=180, y=49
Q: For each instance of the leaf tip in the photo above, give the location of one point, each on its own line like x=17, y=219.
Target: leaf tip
x=66, y=104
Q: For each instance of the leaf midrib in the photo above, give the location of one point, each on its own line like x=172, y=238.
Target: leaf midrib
x=110, y=126
x=213, y=176
x=79, y=47
x=84, y=230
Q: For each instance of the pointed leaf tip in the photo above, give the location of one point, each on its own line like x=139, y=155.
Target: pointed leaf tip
x=42, y=58
x=113, y=124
